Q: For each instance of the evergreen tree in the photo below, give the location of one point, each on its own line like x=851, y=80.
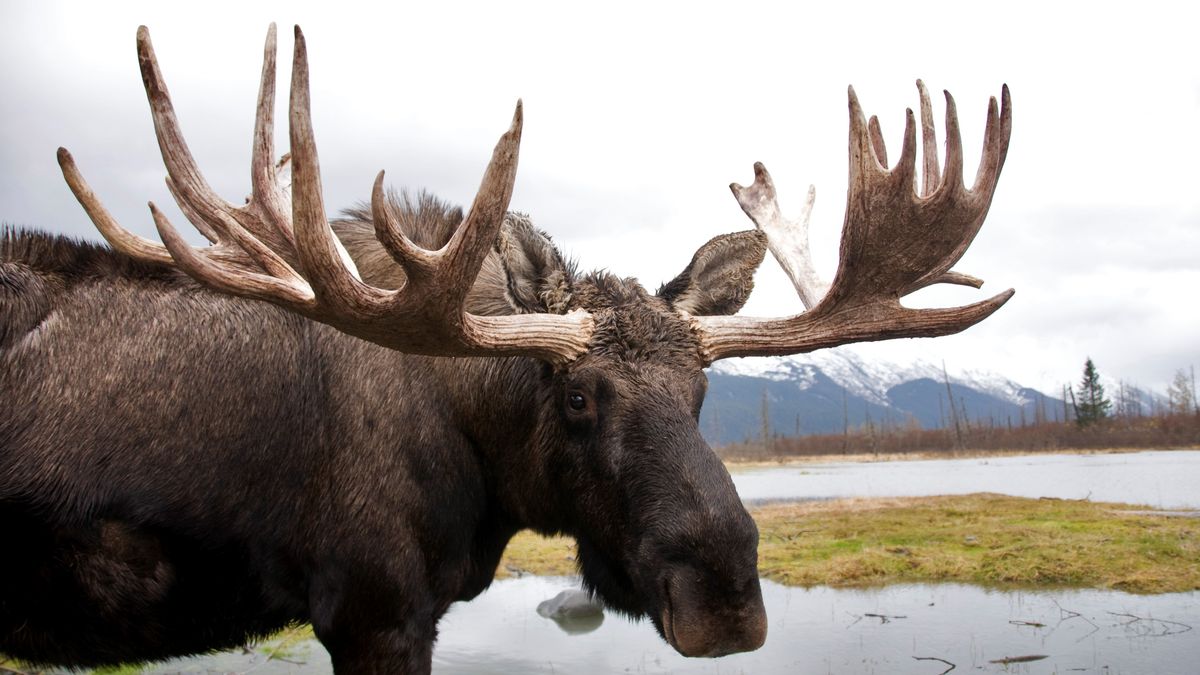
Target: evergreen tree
x=1092, y=406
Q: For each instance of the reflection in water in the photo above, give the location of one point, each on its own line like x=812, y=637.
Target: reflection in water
x=574, y=610
x=851, y=631
x=895, y=629
x=1163, y=479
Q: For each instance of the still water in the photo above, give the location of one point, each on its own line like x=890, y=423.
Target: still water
x=817, y=630
x=1164, y=479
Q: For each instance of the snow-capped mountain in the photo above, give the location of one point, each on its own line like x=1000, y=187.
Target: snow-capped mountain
x=826, y=391
x=868, y=379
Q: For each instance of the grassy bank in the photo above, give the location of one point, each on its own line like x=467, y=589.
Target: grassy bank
x=982, y=539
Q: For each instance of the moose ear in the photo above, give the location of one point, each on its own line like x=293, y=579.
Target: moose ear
x=538, y=280
x=720, y=277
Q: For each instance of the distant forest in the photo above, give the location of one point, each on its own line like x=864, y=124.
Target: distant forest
x=1168, y=430
x=755, y=418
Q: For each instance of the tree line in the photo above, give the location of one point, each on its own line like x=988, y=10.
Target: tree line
x=1092, y=406
x=1090, y=419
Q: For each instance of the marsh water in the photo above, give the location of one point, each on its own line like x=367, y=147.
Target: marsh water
x=895, y=629
x=1168, y=479
x=816, y=630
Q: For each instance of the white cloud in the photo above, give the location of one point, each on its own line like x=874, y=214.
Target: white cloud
x=638, y=116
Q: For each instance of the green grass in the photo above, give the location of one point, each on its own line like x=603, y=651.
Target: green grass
x=119, y=670
x=982, y=539
x=529, y=553
x=286, y=645
x=13, y=666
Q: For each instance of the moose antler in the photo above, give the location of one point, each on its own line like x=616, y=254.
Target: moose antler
x=895, y=240
x=259, y=247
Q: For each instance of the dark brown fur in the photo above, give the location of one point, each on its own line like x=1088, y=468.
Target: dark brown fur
x=181, y=471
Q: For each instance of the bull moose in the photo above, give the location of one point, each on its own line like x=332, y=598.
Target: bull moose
x=345, y=422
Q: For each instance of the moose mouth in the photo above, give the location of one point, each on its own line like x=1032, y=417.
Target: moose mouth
x=668, y=626
x=692, y=631
x=696, y=610
x=667, y=617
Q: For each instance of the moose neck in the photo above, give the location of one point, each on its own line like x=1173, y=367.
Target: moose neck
x=506, y=408
x=475, y=427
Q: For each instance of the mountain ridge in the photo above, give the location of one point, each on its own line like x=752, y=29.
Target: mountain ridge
x=838, y=390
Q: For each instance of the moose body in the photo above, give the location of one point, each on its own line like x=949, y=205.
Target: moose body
x=176, y=459
x=345, y=425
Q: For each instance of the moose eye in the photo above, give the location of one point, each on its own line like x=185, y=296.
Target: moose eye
x=576, y=401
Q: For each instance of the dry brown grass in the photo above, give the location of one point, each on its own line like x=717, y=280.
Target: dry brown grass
x=529, y=553
x=740, y=464
x=978, y=438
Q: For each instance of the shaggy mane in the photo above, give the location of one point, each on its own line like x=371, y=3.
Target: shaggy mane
x=74, y=259
x=429, y=222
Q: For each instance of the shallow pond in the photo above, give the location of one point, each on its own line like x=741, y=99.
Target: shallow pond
x=817, y=630
x=1164, y=479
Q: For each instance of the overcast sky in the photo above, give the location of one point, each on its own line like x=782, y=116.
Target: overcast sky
x=638, y=115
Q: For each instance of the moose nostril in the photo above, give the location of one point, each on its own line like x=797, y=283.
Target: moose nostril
x=697, y=623
x=755, y=631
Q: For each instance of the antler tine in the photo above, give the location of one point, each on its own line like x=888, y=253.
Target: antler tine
x=118, y=237
x=905, y=171
x=320, y=257
x=954, y=150
x=449, y=272
x=787, y=239
x=269, y=208
x=894, y=241
x=477, y=233
x=417, y=262
x=877, y=141
x=995, y=143
x=868, y=154
x=1005, y=127
x=265, y=190
x=268, y=213
x=931, y=175
x=177, y=157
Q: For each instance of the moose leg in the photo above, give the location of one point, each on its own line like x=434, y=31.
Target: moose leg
x=374, y=622
x=402, y=649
